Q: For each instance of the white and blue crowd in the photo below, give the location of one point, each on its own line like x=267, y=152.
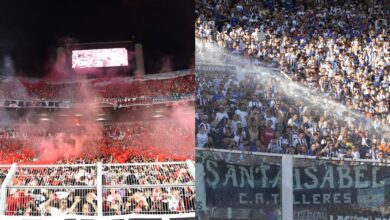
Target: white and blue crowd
x=339, y=49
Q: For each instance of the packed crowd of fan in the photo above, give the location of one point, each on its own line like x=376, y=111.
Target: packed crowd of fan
x=82, y=198
x=84, y=175
x=139, y=142
x=147, y=174
x=3, y=173
x=247, y=115
x=122, y=201
x=341, y=51
x=150, y=88
x=83, y=201
x=159, y=200
x=21, y=89
x=44, y=202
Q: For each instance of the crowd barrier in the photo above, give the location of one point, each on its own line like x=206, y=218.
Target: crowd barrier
x=246, y=185
x=159, y=190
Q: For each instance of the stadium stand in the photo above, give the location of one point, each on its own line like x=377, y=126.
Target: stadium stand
x=337, y=49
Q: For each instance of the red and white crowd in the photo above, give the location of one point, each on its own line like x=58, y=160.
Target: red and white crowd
x=27, y=89
x=121, y=192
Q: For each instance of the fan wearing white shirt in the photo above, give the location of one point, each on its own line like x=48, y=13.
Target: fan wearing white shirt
x=256, y=35
x=201, y=137
x=239, y=138
x=114, y=195
x=269, y=117
x=63, y=207
x=221, y=114
x=175, y=203
x=355, y=152
x=243, y=115
x=275, y=146
x=235, y=122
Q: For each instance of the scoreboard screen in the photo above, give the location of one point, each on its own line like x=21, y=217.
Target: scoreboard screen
x=112, y=57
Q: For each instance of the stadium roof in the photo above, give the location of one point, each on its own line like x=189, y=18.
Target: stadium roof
x=30, y=30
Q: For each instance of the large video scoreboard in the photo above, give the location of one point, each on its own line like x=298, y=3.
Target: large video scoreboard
x=109, y=58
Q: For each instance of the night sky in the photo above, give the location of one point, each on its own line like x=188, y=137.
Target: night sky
x=30, y=29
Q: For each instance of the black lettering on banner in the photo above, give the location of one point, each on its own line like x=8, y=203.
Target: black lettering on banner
x=198, y=205
x=339, y=189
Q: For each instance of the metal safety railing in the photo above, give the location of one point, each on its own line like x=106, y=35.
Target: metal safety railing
x=3, y=172
x=144, y=190
x=147, y=174
x=156, y=200
x=4, y=169
x=51, y=201
x=54, y=175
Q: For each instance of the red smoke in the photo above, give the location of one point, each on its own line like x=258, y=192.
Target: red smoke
x=81, y=137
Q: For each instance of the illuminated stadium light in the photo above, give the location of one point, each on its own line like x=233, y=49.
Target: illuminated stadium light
x=99, y=58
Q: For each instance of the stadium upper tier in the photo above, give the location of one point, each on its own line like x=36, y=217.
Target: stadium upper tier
x=158, y=85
